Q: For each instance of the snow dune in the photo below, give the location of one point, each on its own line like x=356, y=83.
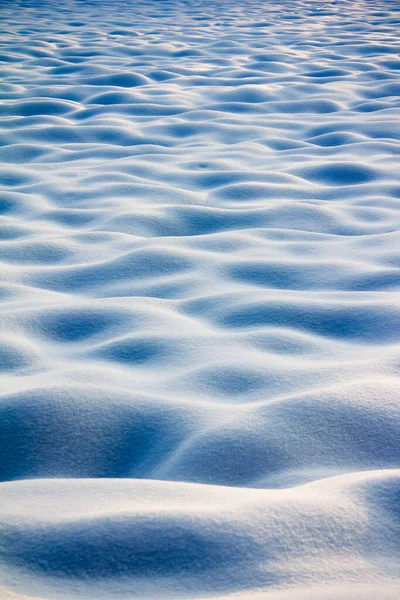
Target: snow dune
x=200, y=309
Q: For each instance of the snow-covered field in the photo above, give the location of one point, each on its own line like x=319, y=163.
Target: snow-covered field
x=200, y=317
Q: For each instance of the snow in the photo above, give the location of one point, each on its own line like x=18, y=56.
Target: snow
x=200, y=324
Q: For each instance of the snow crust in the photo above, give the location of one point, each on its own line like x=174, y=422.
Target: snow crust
x=200, y=324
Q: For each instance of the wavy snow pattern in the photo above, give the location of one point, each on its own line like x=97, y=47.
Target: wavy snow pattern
x=199, y=344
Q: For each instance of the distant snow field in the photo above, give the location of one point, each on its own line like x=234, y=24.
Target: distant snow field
x=200, y=308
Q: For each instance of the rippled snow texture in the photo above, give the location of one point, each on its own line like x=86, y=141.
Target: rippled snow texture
x=200, y=299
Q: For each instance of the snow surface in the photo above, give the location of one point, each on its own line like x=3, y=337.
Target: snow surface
x=200, y=322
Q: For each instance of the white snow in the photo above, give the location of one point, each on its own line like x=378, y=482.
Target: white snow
x=200, y=308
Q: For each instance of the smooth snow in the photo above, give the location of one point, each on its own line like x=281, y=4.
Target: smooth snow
x=200, y=308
